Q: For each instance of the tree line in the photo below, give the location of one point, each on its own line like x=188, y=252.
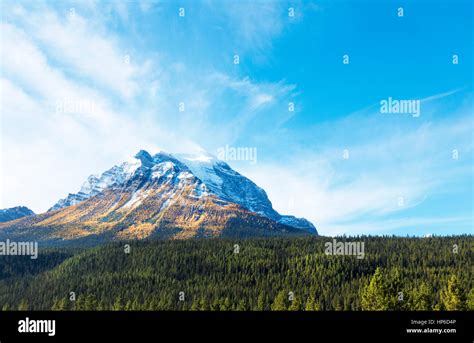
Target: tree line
x=278, y=274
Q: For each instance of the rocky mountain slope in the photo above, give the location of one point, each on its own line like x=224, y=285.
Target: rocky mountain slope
x=164, y=196
x=14, y=213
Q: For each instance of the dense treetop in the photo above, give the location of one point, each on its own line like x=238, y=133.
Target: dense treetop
x=254, y=274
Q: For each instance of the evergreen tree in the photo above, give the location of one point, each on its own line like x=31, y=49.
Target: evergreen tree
x=396, y=295
x=216, y=305
x=105, y=280
x=59, y=305
x=128, y=306
x=195, y=305
x=311, y=304
x=227, y=305
x=295, y=305
x=452, y=296
x=281, y=302
x=470, y=300
x=90, y=303
x=421, y=298
x=241, y=306
x=117, y=306
x=79, y=304
x=374, y=296
x=260, y=303
x=203, y=304
x=23, y=306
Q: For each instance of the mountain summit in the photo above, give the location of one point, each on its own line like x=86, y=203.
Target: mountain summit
x=164, y=195
x=15, y=213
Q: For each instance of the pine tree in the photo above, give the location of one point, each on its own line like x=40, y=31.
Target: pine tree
x=260, y=302
x=23, y=306
x=59, y=304
x=90, y=303
x=295, y=305
x=281, y=302
x=102, y=306
x=421, y=298
x=153, y=305
x=227, y=305
x=203, y=304
x=128, y=305
x=396, y=296
x=195, y=305
x=470, y=300
x=452, y=296
x=374, y=296
x=79, y=304
x=270, y=265
x=117, y=306
x=241, y=306
x=311, y=304
x=216, y=305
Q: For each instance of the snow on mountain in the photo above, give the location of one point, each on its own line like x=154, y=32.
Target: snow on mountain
x=215, y=177
x=97, y=183
x=222, y=180
x=14, y=213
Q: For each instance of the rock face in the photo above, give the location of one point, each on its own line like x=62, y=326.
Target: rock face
x=168, y=196
x=14, y=213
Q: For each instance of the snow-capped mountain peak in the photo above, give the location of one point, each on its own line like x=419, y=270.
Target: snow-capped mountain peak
x=211, y=177
x=13, y=213
x=97, y=183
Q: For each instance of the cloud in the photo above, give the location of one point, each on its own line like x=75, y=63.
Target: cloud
x=390, y=171
x=72, y=106
x=51, y=141
x=217, y=108
x=79, y=48
x=253, y=25
x=441, y=95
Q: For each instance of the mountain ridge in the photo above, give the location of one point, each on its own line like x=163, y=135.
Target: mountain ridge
x=164, y=195
x=13, y=213
x=253, y=197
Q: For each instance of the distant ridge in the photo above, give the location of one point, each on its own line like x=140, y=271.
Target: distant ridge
x=14, y=213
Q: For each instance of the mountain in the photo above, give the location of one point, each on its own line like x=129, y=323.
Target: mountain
x=14, y=213
x=163, y=196
x=96, y=184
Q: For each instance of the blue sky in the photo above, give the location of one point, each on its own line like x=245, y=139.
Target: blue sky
x=87, y=84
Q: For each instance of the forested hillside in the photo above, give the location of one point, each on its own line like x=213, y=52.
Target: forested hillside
x=254, y=274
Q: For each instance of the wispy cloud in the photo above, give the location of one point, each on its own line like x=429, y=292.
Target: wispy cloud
x=254, y=24
x=389, y=171
x=77, y=99
x=81, y=93
x=80, y=48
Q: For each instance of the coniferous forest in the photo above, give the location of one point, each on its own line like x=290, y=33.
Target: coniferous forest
x=264, y=274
